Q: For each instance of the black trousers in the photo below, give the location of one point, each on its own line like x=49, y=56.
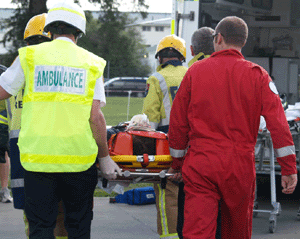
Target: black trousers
x=180, y=219
x=43, y=191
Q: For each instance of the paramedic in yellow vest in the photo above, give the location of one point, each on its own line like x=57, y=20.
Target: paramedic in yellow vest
x=161, y=90
x=33, y=34
x=63, y=130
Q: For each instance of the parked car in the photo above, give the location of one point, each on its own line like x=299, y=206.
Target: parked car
x=120, y=86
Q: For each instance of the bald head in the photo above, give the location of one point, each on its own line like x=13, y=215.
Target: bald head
x=234, y=31
x=202, y=41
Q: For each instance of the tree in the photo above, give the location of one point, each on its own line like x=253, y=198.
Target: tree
x=16, y=25
x=106, y=36
x=119, y=45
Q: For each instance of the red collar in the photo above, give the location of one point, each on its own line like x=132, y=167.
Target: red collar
x=228, y=52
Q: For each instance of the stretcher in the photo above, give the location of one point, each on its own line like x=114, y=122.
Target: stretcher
x=143, y=156
x=266, y=164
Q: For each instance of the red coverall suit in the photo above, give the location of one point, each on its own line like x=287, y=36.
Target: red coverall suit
x=216, y=112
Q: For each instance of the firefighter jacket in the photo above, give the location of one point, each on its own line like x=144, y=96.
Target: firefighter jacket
x=55, y=132
x=218, y=108
x=198, y=57
x=161, y=89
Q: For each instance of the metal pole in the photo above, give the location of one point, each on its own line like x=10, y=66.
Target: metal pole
x=108, y=64
x=272, y=173
x=129, y=93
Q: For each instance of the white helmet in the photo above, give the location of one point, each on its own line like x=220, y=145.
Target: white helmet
x=67, y=12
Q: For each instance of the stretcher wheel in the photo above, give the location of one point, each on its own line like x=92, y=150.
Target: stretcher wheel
x=163, y=183
x=255, y=207
x=272, y=226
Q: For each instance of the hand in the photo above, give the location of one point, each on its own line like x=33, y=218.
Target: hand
x=108, y=168
x=177, y=175
x=289, y=183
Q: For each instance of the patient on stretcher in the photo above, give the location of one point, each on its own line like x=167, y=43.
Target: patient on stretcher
x=138, y=138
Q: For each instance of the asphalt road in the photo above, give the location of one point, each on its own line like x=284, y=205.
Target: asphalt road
x=122, y=221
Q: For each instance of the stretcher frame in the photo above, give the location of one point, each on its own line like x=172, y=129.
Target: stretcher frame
x=266, y=164
x=264, y=142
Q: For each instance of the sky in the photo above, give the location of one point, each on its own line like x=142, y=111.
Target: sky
x=154, y=5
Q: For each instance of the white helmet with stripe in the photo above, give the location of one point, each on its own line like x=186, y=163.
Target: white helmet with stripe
x=67, y=12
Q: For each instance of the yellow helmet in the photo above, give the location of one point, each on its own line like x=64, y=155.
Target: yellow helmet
x=35, y=27
x=172, y=41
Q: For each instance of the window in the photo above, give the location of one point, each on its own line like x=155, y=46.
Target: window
x=146, y=28
x=236, y=1
x=159, y=29
x=263, y=4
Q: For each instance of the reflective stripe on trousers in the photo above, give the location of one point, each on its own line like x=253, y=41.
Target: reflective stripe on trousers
x=3, y=120
x=170, y=236
x=17, y=183
x=163, y=216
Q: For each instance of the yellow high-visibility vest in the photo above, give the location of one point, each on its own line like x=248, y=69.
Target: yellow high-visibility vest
x=55, y=134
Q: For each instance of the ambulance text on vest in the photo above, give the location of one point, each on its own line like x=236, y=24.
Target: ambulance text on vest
x=59, y=79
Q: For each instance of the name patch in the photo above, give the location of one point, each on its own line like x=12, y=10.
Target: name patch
x=59, y=79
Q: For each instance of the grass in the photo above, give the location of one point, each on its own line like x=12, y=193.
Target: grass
x=115, y=110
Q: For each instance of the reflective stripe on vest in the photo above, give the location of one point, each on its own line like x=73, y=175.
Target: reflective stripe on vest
x=55, y=131
x=14, y=106
x=166, y=100
x=284, y=151
x=14, y=134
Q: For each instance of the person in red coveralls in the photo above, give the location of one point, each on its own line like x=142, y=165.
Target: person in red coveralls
x=215, y=117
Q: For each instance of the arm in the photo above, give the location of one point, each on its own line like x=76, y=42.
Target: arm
x=282, y=139
x=12, y=80
x=98, y=126
x=179, y=126
x=4, y=94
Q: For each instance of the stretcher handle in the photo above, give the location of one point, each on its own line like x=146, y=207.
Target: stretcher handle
x=161, y=174
x=126, y=174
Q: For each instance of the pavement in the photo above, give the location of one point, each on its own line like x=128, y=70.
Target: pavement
x=123, y=221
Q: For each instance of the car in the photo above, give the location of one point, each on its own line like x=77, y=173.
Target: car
x=121, y=86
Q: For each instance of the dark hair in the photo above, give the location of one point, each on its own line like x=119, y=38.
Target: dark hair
x=202, y=41
x=169, y=53
x=61, y=28
x=234, y=30
x=37, y=39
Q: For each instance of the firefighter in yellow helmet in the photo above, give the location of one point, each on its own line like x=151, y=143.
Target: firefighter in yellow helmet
x=34, y=34
x=161, y=89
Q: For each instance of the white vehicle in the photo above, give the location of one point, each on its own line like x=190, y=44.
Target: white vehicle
x=273, y=40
